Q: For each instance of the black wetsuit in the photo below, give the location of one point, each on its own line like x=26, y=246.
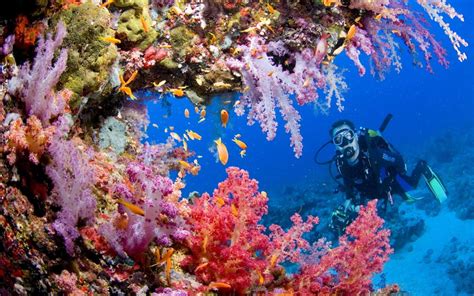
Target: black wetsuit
x=380, y=172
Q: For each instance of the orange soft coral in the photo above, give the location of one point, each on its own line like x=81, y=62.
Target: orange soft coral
x=30, y=139
x=26, y=33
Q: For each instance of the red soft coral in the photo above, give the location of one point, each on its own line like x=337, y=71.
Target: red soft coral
x=348, y=268
x=229, y=245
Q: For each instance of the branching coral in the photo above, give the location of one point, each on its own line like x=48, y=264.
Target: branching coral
x=72, y=177
x=229, y=245
x=35, y=83
x=348, y=268
x=30, y=139
x=130, y=232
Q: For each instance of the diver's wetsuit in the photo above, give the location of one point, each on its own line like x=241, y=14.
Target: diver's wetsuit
x=379, y=172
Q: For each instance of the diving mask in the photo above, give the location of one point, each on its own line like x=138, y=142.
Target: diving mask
x=343, y=137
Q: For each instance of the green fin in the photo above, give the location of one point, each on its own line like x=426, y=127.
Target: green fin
x=435, y=185
x=409, y=198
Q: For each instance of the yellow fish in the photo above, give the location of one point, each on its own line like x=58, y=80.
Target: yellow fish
x=175, y=136
x=133, y=208
x=351, y=32
x=222, y=151
x=234, y=210
x=240, y=143
x=242, y=153
x=185, y=145
x=224, y=117
x=193, y=135
x=219, y=201
x=184, y=164
x=111, y=40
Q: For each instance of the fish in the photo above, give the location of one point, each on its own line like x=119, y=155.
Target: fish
x=219, y=285
x=271, y=9
x=133, y=208
x=201, y=266
x=144, y=24
x=351, y=32
x=242, y=153
x=203, y=112
x=222, y=151
x=193, y=135
x=110, y=40
x=239, y=143
x=219, y=201
x=175, y=136
x=201, y=120
x=184, y=164
x=224, y=117
x=234, y=210
x=204, y=244
x=185, y=137
x=273, y=260
x=177, y=92
x=123, y=84
x=107, y=3
x=186, y=113
x=378, y=16
x=159, y=84
x=196, y=109
x=168, y=269
x=237, y=136
x=154, y=125
x=261, y=279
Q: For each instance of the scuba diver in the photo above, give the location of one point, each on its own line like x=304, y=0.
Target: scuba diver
x=370, y=167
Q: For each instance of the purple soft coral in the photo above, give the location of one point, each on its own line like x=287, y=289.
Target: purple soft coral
x=72, y=177
x=161, y=221
x=269, y=86
x=35, y=83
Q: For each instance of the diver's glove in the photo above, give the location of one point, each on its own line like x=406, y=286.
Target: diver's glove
x=341, y=218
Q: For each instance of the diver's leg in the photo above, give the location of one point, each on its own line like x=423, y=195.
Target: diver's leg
x=433, y=181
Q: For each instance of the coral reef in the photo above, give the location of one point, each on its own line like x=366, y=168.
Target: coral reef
x=88, y=208
x=458, y=256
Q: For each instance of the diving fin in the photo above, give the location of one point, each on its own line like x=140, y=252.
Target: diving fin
x=435, y=185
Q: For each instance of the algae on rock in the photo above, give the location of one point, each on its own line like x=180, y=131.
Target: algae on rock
x=89, y=58
x=134, y=25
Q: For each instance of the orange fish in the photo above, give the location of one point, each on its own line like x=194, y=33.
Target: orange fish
x=123, y=85
x=184, y=164
x=177, y=92
x=240, y=143
x=144, y=24
x=133, y=208
x=219, y=285
x=186, y=113
x=107, y=3
x=196, y=109
x=219, y=201
x=193, y=135
x=261, y=279
x=203, y=113
x=222, y=151
x=234, y=210
x=351, y=32
x=224, y=117
x=201, y=266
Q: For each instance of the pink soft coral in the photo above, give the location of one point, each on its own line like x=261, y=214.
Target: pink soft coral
x=348, y=268
x=30, y=139
x=229, y=245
